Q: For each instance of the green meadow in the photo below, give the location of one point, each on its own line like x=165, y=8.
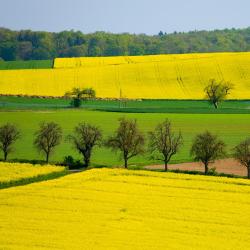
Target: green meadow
x=230, y=127
x=31, y=64
x=128, y=106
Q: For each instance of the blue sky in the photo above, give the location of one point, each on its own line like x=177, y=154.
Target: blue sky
x=117, y=16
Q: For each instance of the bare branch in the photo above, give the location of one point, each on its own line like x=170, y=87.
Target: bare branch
x=47, y=138
x=164, y=142
x=84, y=139
x=207, y=148
x=242, y=154
x=127, y=139
x=216, y=92
x=8, y=136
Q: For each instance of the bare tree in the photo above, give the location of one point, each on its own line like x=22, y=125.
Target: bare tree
x=84, y=139
x=207, y=148
x=127, y=139
x=8, y=136
x=164, y=142
x=242, y=154
x=47, y=138
x=216, y=92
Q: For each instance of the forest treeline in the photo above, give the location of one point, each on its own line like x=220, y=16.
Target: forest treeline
x=38, y=45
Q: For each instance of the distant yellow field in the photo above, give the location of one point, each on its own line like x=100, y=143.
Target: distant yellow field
x=154, y=77
x=12, y=172
x=119, y=209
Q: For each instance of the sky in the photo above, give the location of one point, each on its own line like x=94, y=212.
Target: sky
x=118, y=16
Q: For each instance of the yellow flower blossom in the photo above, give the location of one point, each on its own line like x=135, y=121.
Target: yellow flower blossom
x=181, y=76
x=11, y=172
x=119, y=209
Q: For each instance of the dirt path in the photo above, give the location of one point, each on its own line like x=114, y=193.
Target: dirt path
x=227, y=166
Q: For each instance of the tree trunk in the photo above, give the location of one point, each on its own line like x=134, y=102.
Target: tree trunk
x=86, y=161
x=216, y=105
x=5, y=156
x=248, y=172
x=126, y=162
x=47, y=158
x=206, y=168
x=166, y=166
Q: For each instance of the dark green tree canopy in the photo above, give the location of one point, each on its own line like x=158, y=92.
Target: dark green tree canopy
x=31, y=45
x=206, y=148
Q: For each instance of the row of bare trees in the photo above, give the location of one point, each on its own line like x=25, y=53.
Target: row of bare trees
x=163, y=144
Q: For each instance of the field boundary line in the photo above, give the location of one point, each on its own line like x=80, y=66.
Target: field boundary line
x=35, y=179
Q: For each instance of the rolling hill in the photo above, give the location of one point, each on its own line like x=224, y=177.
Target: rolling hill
x=182, y=76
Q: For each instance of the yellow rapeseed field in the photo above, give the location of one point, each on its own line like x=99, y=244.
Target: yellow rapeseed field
x=181, y=76
x=119, y=209
x=11, y=172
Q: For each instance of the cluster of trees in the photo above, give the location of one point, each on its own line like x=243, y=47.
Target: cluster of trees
x=34, y=45
x=129, y=140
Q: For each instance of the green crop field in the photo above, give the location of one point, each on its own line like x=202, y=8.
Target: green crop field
x=231, y=127
x=32, y=64
x=130, y=106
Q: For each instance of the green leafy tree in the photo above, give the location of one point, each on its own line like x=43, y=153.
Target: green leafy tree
x=74, y=51
x=207, y=148
x=28, y=45
x=242, y=154
x=128, y=139
x=78, y=94
x=89, y=93
x=84, y=139
x=9, y=134
x=217, y=92
x=24, y=50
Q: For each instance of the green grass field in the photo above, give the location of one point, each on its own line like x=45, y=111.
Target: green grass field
x=231, y=127
x=144, y=106
x=32, y=64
